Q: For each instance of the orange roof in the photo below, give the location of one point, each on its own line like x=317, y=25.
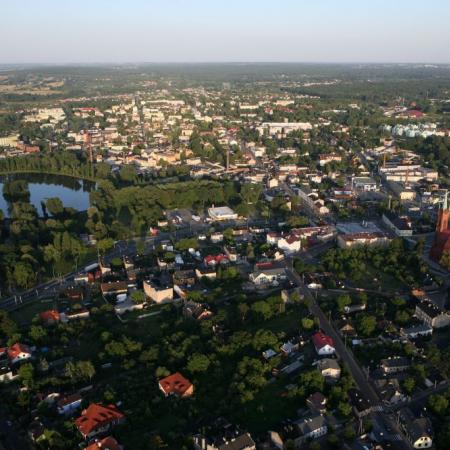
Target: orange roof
x=97, y=416
x=175, y=384
x=15, y=350
x=50, y=316
x=108, y=443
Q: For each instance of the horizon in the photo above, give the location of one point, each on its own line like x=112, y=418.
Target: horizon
x=196, y=32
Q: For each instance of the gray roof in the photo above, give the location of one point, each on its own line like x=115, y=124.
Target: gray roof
x=311, y=424
x=241, y=442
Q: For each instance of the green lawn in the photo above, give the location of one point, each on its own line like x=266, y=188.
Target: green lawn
x=24, y=315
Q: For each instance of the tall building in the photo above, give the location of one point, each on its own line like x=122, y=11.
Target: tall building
x=442, y=236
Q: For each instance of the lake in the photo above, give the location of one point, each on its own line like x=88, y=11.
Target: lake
x=73, y=192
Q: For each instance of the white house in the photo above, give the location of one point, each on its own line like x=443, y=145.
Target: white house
x=323, y=344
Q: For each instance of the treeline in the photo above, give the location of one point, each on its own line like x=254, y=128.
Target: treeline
x=62, y=163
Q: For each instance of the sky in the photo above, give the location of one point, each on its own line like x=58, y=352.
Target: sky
x=118, y=31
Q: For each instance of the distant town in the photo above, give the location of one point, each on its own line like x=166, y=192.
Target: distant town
x=225, y=257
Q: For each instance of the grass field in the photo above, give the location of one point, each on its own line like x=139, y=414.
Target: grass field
x=24, y=315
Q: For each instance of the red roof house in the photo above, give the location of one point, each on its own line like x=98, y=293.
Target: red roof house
x=19, y=352
x=323, y=344
x=108, y=443
x=176, y=384
x=98, y=419
x=50, y=317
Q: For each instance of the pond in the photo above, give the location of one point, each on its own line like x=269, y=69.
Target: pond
x=74, y=193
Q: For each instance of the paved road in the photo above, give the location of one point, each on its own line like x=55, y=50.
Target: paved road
x=383, y=421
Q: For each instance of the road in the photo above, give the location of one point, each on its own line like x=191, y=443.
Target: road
x=121, y=248
x=383, y=421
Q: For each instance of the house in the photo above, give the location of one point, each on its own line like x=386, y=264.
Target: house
x=329, y=368
x=206, y=272
x=216, y=237
x=177, y=385
x=223, y=436
x=268, y=276
x=222, y=213
x=417, y=331
x=183, y=277
x=360, y=405
x=197, y=311
x=158, y=292
x=390, y=391
x=346, y=328
x=395, y=364
x=214, y=260
x=401, y=226
x=323, y=344
x=68, y=404
x=108, y=443
x=289, y=347
x=290, y=244
x=317, y=402
x=18, y=352
x=418, y=430
x=98, y=419
x=429, y=313
x=49, y=317
x=299, y=432
x=370, y=239
x=81, y=313
x=114, y=288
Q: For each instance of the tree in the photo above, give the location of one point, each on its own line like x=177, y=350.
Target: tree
x=343, y=301
x=438, y=404
x=198, y=363
x=344, y=409
x=367, y=324
x=138, y=297
x=37, y=333
x=54, y=206
x=409, y=385
x=243, y=309
x=307, y=324
x=26, y=374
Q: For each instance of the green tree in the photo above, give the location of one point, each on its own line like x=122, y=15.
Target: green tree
x=198, y=363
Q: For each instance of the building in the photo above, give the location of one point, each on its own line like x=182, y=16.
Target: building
x=49, y=317
x=418, y=430
x=317, y=402
x=223, y=436
x=363, y=238
x=323, y=344
x=157, y=292
x=114, y=288
x=300, y=431
x=431, y=315
x=177, y=385
x=222, y=213
x=98, y=419
x=417, y=331
x=290, y=243
x=107, y=443
x=401, y=226
x=366, y=184
x=68, y=404
x=360, y=405
x=18, y=353
x=268, y=276
x=329, y=368
x=395, y=364
x=441, y=242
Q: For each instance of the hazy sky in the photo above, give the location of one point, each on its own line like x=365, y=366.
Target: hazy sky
x=59, y=31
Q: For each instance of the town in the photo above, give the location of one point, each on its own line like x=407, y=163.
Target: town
x=260, y=258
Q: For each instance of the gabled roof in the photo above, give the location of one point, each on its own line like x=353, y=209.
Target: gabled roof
x=108, y=443
x=50, y=316
x=175, y=384
x=97, y=416
x=15, y=350
x=321, y=340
